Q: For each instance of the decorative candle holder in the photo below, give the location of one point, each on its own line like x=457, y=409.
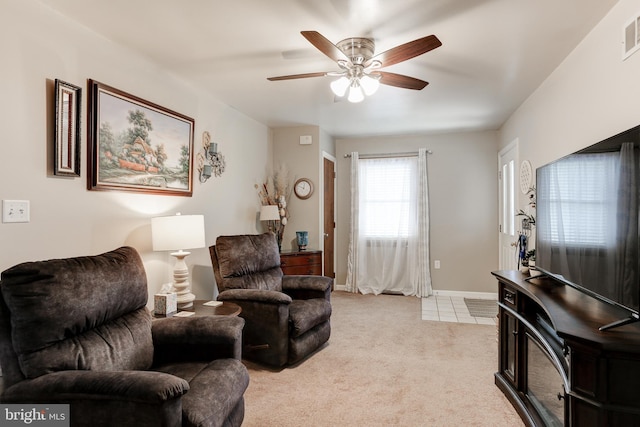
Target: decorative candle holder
x=302, y=238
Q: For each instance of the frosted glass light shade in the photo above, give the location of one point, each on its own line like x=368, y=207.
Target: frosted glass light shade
x=355, y=93
x=177, y=232
x=269, y=213
x=369, y=84
x=340, y=86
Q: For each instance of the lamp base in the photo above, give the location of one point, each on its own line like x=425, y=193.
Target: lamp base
x=181, y=284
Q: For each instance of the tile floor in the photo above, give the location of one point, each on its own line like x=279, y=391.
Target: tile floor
x=450, y=309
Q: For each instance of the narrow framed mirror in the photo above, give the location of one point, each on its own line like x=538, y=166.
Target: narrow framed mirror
x=67, y=134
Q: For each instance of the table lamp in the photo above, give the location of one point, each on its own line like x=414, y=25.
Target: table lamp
x=177, y=233
x=271, y=213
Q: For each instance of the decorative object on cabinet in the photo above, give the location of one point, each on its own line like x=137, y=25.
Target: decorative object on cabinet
x=307, y=262
x=67, y=134
x=212, y=162
x=302, y=238
x=276, y=192
x=135, y=145
x=179, y=232
x=303, y=188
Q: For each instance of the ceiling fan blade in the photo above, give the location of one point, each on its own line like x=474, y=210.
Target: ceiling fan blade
x=406, y=51
x=297, y=76
x=325, y=46
x=398, y=80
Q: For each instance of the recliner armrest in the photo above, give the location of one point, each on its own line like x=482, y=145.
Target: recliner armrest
x=146, y=387
x=256, y=295
x=197, y=338
x=307, y=287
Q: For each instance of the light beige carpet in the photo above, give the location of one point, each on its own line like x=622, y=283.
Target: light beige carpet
x=384, y=366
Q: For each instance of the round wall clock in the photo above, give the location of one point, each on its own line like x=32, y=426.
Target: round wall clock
x=525, y=176
x=303, y=188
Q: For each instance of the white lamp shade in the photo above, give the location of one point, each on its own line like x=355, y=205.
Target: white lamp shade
x=269, y=213
x=177, y=232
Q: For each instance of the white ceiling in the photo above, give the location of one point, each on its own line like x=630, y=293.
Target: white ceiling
x=494, y=54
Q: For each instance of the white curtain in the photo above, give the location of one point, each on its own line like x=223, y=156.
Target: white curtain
x=389, y=246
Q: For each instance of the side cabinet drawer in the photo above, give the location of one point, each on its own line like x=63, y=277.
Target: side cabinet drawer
x=305, y=263
x=290, y=261
x=508, y=296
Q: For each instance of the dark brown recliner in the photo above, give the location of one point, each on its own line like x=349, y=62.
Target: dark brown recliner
x=287, y=317
x=77, y=331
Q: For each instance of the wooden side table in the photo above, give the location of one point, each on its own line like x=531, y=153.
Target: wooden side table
x=226, y=309
x=307, y=262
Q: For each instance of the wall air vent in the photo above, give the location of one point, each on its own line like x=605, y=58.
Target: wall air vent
x=631, y=38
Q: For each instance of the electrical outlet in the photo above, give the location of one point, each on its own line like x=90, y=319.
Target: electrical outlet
x=436, y=264
x=15, y=211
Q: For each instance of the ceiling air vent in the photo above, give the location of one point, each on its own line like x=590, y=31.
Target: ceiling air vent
x=631, y=37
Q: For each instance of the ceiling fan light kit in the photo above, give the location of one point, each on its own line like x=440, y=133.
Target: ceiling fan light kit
x=359, y=69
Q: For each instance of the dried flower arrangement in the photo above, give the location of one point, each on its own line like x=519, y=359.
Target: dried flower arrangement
x=276, y=191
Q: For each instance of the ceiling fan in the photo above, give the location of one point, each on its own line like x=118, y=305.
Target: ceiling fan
x=359, y=69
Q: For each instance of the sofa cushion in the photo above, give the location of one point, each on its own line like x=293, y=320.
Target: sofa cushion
x=71, y=313
x=249, y=262
x=305, y=314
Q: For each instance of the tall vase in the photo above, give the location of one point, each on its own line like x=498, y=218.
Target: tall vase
x=302, y=238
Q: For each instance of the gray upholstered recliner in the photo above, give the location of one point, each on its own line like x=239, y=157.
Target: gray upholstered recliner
x=287, y=317
x=77, y=331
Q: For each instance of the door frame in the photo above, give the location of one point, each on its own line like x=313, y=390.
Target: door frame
x=515, y=146
x=331, y=158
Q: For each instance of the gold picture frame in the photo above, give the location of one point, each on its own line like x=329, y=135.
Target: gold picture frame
x=137, y=146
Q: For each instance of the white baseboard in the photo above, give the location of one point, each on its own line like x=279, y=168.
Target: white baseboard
x=466, y=294
x=462, y=294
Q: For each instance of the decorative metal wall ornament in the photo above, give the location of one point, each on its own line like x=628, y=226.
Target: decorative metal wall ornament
x=212, y=161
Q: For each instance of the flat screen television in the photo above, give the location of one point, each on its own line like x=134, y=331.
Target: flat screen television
x=587, y=232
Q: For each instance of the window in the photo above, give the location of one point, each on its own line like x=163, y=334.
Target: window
x=387, y=194
x=508, y=198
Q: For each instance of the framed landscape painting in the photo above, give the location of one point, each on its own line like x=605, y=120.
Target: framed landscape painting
x=135, y=145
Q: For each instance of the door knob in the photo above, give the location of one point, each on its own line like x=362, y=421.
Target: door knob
x=326, y=235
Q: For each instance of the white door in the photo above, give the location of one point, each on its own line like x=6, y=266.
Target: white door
x=507, y=161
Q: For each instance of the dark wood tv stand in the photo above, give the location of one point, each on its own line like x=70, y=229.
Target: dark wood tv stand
x=555, y=366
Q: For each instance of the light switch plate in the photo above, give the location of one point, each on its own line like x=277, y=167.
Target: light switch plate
x=15, y=211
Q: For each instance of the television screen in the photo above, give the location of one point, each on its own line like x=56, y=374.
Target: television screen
x=587, y=220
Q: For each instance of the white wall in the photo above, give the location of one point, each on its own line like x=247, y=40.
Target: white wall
x=302, y=161
x=592, y=95
x=39, y=46
x=463, y=205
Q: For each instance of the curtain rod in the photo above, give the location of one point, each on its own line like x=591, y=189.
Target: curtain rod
x=384, y=155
